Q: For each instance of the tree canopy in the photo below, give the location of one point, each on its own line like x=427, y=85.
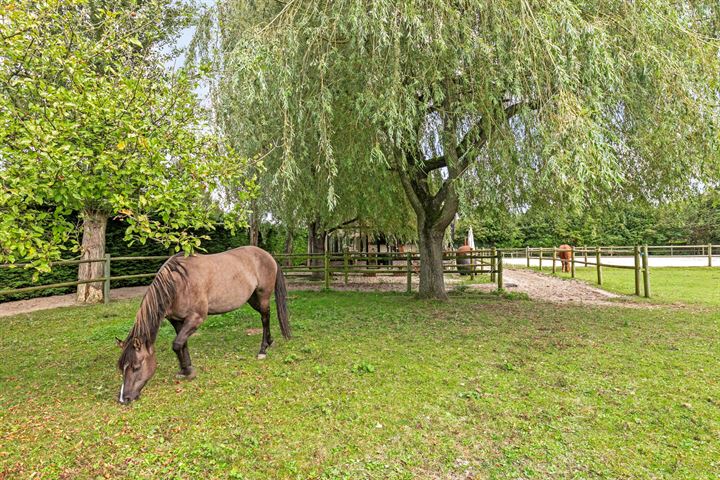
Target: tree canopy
x=561, y=101
x=299, y=187
x=92, y=124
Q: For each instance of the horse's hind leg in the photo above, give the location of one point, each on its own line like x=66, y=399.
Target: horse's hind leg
x=261, y=303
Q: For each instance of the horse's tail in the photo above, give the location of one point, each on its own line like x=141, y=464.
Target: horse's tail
x=281, y=302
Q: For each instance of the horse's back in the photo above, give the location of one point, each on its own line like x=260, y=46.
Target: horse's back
x=225, y=281
x=564, y=251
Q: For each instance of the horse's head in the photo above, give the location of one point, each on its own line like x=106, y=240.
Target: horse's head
x=137, y=364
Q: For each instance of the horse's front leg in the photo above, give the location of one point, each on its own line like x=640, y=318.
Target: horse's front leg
x=183, y=355
x=184, y=329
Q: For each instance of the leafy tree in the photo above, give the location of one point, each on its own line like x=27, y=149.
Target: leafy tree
x=298, y=187
x=92, y=124
x=563, y=100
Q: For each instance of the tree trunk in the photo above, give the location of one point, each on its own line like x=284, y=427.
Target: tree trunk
x=288, y=247
x=93, y=247
x=432, y=279
x=316, y=246
x=254, y=233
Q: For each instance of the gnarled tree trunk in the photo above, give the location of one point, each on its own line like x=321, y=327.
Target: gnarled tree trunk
x=432, y=279
x=93, y=247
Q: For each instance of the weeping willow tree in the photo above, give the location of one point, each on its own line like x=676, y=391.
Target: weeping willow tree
x=564, y=101
x=298, y=188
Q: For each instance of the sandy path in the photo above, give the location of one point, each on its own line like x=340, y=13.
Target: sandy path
x=547, y=288
x=44, y=303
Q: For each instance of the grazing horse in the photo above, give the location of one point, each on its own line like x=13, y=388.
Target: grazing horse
x=565, y=254
x=185, y=291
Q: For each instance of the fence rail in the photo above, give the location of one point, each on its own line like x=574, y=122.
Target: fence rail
x=640, y=266
x=324, y=266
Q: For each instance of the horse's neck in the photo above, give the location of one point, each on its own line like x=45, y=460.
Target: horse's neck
x=146, y=328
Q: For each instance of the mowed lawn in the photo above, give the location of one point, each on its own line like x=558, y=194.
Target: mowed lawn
x=694, y=285
x=373, y=385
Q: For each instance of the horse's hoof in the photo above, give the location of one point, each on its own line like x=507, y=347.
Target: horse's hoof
x=261, y=356
x=188, y=374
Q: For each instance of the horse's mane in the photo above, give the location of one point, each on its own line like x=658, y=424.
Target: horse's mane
x=154, y=306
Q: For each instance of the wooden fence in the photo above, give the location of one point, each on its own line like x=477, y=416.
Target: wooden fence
x=325, y=267
x=329, y=266
x=580, y=255
x=697, y=251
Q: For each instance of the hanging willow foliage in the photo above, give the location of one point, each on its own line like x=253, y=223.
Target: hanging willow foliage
x=514, y=101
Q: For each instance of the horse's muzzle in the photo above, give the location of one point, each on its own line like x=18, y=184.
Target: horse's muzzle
x=127, y=400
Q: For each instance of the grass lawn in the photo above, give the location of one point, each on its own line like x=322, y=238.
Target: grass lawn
x=693, y=285
x=374, y=385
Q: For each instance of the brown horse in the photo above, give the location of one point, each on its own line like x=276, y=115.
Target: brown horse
x=565, y=254
x=185, y=291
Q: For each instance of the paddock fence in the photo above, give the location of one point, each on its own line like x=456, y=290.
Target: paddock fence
x=637, y=258
x=330, y=267
x=325, y=267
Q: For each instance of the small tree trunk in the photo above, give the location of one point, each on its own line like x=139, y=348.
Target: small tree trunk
x=288, y=246
x=316, y=245
x=93, y=247
x=254, y=229
x=432, y=279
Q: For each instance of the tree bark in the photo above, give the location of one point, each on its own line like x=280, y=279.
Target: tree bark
x=432, y=279
x=93, y=247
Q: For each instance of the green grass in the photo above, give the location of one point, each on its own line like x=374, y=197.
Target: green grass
x=691, y=285
x=372, y=386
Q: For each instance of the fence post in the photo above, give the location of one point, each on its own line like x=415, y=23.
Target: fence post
x=709, y=252
x=599, y=268
x=646, y=271
x=527, y=255
x=554, y=257
x=473, y=253
x=327, y=270
x=106, y=283
x=585, y=249
x=540, y=259
x=409, y=272
x=493, y=264
x=636, y=253
x=572, y=262
x=500, y=270
x=345, y=264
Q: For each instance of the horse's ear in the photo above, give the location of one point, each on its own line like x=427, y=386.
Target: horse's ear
x=119, y=343
x=136, y=343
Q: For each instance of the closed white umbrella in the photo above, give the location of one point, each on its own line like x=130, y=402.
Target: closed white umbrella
x=471, y=239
